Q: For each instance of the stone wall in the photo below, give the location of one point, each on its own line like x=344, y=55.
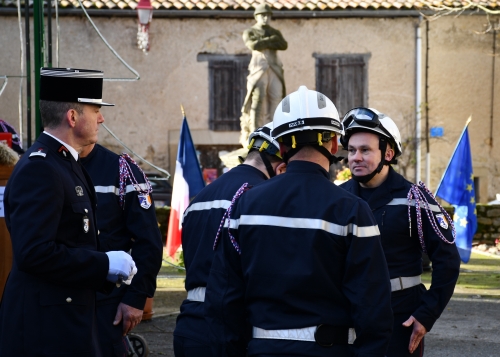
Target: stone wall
x=488, y=224
x=147, y=114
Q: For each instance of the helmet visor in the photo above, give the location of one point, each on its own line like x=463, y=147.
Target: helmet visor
x=364, y=117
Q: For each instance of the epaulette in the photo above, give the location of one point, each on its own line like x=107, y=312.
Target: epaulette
x=40, y=152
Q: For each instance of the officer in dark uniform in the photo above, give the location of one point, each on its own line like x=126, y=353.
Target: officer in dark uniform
x=201, y=221
x=374, y=142
x=126, y=220
x=48, y=306
x=302, y=272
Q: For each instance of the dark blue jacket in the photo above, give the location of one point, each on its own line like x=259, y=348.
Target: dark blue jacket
x=48, y=306
x=310, y=255
x=130, y=227
x=199, y=227
x=403, y=251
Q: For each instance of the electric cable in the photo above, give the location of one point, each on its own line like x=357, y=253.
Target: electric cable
x=176, y=266
x=136, y=154
x=113, y=51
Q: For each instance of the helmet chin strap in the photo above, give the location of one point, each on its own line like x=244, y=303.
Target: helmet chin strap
x=367, y=178
x=332, y=159
x=268, y=165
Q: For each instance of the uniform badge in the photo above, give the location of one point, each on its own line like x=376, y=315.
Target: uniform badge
x=442, y=220
x=144, y=200
x=79, y=190
x=63, y=150
x=86, y=224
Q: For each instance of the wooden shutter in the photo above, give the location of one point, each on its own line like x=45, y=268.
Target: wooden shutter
x=227, y=88
x=343, y=79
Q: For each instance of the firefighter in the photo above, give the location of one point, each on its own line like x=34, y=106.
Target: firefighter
x=200, y=224
x=126, y=220
x=301, y=270
x=373, y=142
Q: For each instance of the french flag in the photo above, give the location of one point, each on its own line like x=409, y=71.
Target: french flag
x=188, y=181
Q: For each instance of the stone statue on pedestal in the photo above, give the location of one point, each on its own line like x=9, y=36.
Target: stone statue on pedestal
x=265, y=82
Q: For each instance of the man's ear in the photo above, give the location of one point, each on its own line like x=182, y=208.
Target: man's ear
x=280, y=169
x=389, y=153
x=71, y=116
x=335, y=145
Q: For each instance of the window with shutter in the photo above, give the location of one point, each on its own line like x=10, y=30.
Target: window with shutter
x=227, y=89
x=343, y=79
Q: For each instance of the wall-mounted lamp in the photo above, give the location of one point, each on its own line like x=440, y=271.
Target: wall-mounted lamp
x=144, y=14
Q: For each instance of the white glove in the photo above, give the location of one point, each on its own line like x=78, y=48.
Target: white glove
x=129, y=280
x=121, y=266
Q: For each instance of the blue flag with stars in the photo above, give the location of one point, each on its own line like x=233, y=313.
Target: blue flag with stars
x=457, y=188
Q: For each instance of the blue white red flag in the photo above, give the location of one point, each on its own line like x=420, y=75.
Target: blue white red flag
x=188, y=181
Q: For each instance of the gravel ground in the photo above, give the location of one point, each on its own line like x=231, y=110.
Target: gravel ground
x=468, y=327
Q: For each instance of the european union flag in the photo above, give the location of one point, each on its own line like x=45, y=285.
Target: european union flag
x=457, y=188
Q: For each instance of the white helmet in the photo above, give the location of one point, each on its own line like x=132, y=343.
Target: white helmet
x=306, y=117
x=369, y=119
x=262, y=140
x=305, y=110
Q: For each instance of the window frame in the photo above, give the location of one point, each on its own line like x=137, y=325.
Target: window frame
x=342, y=59
x=226, y=97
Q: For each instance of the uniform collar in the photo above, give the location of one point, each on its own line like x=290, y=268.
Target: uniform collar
x=382, y=194
x=250, y=168
x=300, y=166
x=72, y=151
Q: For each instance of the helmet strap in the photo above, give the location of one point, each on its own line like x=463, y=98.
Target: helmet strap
x=332, y=159
x=268, y=165
x=287, y=155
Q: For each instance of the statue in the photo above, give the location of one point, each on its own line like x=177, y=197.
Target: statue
x=265, y=82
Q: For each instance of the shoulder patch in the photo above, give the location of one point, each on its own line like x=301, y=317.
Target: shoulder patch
x=144, y=200
x=39, y=152
x=443, y=222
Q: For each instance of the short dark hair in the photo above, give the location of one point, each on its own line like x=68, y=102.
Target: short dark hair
x=255, y=155
x=53, y=113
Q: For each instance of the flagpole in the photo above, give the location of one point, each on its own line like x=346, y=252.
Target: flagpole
x=183, y=112
x=454, y=151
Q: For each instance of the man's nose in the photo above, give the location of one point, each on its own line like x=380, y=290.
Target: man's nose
x=357, y=156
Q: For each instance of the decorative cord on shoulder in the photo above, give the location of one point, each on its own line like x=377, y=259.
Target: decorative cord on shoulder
x=127, y=174
x=227, y=216
x=421, y=202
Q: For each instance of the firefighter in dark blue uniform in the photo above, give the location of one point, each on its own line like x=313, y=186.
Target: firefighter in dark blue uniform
x=200, y=224
x=126, y=220
x=302, y=272
x=373, y=142
x=48, y=306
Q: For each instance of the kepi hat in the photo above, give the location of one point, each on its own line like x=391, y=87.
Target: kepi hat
x=72, y=85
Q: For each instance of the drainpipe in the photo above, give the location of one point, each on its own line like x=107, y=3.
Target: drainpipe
x=427, y=131
x=418, y=99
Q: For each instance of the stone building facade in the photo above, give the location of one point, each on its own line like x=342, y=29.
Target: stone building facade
x=195, y=52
